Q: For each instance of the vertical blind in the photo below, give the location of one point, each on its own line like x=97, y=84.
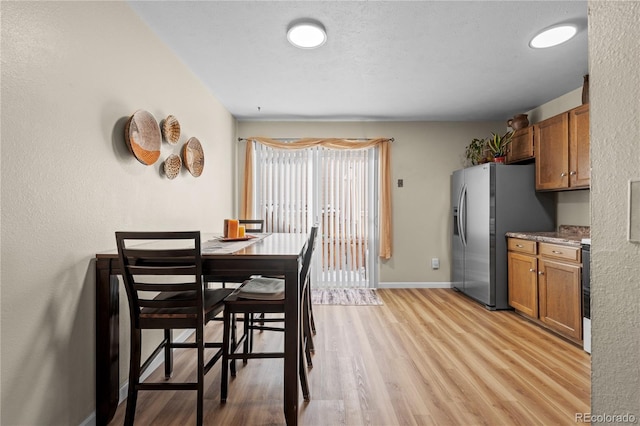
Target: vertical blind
x=293, y=189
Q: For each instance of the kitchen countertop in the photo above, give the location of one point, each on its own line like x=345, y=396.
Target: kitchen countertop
x=568, y=235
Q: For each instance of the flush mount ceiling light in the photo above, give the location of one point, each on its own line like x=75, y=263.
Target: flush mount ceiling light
x=553, y=36
x=306, y=34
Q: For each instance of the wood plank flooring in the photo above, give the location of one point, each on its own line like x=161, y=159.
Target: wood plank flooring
x=426, y=357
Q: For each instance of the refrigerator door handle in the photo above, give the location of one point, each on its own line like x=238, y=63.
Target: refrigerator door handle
x=462, y=215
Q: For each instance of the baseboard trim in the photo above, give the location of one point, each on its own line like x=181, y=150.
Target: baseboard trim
x=122, y=393
x=433, y=284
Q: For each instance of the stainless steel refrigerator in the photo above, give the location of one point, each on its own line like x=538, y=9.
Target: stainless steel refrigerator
x=488, y=201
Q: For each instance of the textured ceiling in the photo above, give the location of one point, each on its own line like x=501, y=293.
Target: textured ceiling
x=384, y=60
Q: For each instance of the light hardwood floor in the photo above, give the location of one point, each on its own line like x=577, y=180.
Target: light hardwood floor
x=427, y=357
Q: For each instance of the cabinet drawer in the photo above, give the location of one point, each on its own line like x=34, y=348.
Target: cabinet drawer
x=522, y=246
x=557, y=251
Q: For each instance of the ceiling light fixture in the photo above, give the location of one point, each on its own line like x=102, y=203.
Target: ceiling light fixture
x=553, y=36
x=306, y=34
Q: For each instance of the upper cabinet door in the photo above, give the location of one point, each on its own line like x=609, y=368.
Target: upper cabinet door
x=579, y=166
x=551, y=140
x=521, y=146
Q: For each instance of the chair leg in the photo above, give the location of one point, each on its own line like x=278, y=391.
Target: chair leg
x=248, y=336
x=234, y=343
x=307, y=336
x=309, y=301
x=304, y=378
x=200, y=400
x=134, y=376
x=168, y=354
x=224, y=376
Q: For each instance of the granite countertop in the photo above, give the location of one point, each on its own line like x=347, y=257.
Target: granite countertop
x=568, y=235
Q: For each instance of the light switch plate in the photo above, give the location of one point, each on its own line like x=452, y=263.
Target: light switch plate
x=634, y=210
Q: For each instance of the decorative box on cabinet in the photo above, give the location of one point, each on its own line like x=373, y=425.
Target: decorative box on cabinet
x=521, y=146
x=562, y=151
x=545, y=284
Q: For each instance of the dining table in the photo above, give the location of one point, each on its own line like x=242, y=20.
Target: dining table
x=274, y=254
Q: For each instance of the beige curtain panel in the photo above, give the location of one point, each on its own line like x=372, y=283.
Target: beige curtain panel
x=331, y=143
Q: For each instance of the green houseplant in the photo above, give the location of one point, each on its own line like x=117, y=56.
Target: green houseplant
x=498, y=145
x=475, y=151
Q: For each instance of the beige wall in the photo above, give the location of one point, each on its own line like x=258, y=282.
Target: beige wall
x=424, y=155
x=614, y=54
x=573, y=206
x=72, y=72
x=68, y=83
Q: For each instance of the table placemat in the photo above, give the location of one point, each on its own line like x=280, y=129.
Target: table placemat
x=215, y=246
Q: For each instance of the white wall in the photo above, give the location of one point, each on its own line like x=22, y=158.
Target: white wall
x=72, y=73
x=424, y=154
x=614, y=54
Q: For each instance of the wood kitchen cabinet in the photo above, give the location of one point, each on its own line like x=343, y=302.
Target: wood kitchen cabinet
x=562, y=151
x=559, y=289
x=579, y=145
x=521, y=146
x=545, y=284
x=522, y=275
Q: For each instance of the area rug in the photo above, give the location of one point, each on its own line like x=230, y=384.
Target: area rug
x=346, y=296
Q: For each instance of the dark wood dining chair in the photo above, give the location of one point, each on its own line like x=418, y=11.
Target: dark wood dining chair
x=264, y=295
x=162, y=273
x=257, y=321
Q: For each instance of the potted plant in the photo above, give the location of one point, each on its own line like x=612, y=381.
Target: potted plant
x=498, y=145
x=475, y=151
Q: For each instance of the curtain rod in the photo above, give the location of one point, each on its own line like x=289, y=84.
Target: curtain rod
x=295, y=139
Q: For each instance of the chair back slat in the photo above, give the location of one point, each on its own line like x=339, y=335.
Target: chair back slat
x=166, y=269
x=155, y=287
x=252, y=225
x=183, y=304
x=158, y=254
x=162, y=273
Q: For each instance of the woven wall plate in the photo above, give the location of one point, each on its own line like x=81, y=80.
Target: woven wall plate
x=172, y=165
x=143, y=138
x=193, y=156
x=171, y=129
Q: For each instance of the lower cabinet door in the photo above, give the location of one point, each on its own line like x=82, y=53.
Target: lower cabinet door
x=559, y=297
x=523, y=283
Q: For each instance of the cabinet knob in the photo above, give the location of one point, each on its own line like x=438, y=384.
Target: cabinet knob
x=563, y=174
x=532, y=270
x=573, y=173
x=556, y=252
x=519, y=245
x=540, y=273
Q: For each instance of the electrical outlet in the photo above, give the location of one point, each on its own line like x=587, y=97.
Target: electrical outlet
x=435, y=263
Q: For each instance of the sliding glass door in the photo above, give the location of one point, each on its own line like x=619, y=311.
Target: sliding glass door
x=337, y=189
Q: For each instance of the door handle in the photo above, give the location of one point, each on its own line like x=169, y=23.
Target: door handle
x=573, y=172
x=462, y=216
x=540, y=273
x=532, y=270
